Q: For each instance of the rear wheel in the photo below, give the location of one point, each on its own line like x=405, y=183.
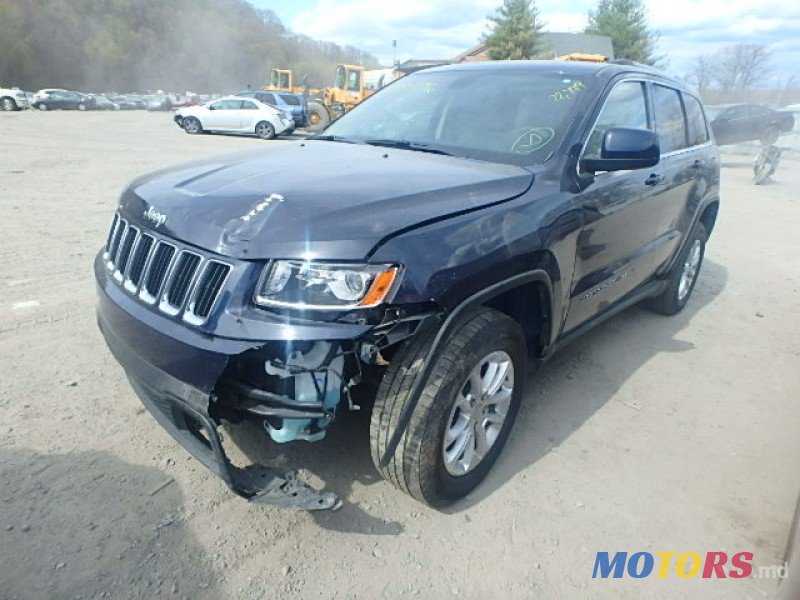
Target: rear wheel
x=683, y=275
x=265, y=130
x=192, y=126
x=770, y=135
x=81, y=106
x=43, y=106
x=465, y=412
x=318, y=117
x=8, y=104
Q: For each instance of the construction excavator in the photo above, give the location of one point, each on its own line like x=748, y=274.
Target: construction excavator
x=350, y=86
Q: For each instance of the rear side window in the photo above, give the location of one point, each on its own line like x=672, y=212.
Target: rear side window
x=290, y=99
x=695, y=121
x=267, y=99
x=625, y=106
x=670, y=122
x=247, y=105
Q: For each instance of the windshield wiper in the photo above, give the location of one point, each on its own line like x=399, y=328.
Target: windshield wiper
x=407, y=145
x=333, y=138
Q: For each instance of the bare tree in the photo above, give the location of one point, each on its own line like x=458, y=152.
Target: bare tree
x=741, y=66
x=702, y=72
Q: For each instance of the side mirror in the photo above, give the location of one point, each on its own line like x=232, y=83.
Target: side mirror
x=625, y=148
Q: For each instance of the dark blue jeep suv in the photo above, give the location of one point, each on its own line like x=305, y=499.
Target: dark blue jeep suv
x=413, y=260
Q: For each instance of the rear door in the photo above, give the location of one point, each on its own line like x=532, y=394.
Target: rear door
x=614, y=253
x=690, y=163
x=249, y=115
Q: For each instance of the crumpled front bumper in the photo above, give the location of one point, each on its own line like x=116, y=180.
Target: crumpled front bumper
x=174, y=371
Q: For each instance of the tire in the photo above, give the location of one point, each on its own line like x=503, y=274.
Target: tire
x=418, y=466
x=8, y=104
x=318, y=117
x=770, y=135
x=674, y=298
x=191, y=125
x=43, y=107
x=81, y=106
x=265, y=130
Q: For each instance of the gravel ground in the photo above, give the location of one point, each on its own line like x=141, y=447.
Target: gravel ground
x=648, y=434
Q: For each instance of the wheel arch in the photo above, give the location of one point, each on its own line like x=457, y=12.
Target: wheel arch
x=709, y=215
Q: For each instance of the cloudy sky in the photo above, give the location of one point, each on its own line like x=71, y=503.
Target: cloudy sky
x=443, y=28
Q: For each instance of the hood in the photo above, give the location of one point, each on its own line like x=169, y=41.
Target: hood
x=313, y=199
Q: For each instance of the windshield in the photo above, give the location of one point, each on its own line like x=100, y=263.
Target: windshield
x=516, y=117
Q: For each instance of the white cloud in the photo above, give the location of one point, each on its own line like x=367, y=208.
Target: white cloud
x=442, y=28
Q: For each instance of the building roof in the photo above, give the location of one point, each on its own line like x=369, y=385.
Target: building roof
x=554, y=43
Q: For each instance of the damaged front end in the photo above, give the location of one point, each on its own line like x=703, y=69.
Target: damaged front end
x=292, y=381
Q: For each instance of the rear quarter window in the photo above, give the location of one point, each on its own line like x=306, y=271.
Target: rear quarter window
x=290, y=99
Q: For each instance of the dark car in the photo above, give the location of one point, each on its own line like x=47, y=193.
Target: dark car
x=103, y=103
x=123, y=102
x=408, y=261
x=64, y=100
x=294, y=104
x=735, y=123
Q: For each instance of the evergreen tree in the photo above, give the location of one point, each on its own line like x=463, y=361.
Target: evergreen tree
x=515, y=31
x=625, y=22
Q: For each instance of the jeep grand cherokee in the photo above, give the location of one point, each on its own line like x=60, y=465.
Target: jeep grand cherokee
x=413, y=260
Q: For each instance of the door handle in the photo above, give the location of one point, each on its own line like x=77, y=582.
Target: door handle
x=698, y=164
x=654, y=179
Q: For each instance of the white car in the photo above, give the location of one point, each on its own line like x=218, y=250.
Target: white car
x=13, y=99
x=234, y=114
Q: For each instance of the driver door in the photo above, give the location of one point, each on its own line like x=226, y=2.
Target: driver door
x=621, y=213
x=224, y=115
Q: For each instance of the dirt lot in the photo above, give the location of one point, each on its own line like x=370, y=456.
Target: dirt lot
x=648, y=434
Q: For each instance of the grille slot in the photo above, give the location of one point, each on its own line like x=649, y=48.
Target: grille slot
x=138, y=261
x=121, y=263
x=111, y=233
x=116, y=239
x=207, y=290
x=181, y=279
x=157, y=272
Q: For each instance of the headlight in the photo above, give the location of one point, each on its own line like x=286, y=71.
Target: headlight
x=324, y=286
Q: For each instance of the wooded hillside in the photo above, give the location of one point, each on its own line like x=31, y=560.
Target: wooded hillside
x=138, y=45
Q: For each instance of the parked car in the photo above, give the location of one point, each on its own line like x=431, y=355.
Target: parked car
x=294, y=104
x=235, y=115
x=13, y=99
x=407, y=261
x=62, y=100
x=736, y=123
x=158, y=103
x=123, y=102
x=102, y=102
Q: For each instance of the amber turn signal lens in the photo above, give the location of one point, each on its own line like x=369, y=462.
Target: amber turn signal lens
x=379, y=288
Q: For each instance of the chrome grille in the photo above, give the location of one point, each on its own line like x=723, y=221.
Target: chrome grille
x=178, y=280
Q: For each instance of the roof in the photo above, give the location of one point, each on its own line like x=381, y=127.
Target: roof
x=555, y=43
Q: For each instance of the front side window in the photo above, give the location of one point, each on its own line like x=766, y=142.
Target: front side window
x=695, y=121
x=354, y=81
x=515, y=116
x=625, y=106
x=670, y=122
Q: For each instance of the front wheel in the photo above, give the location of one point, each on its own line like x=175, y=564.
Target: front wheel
x=81, y=107
x=465, y=412
x=318, y=117
x=8, y=104
x=682, y=278
x=192, y=126
x=265, y=130
x=43, y=107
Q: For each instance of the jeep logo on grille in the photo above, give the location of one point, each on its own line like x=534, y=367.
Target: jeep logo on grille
x=157, y=218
